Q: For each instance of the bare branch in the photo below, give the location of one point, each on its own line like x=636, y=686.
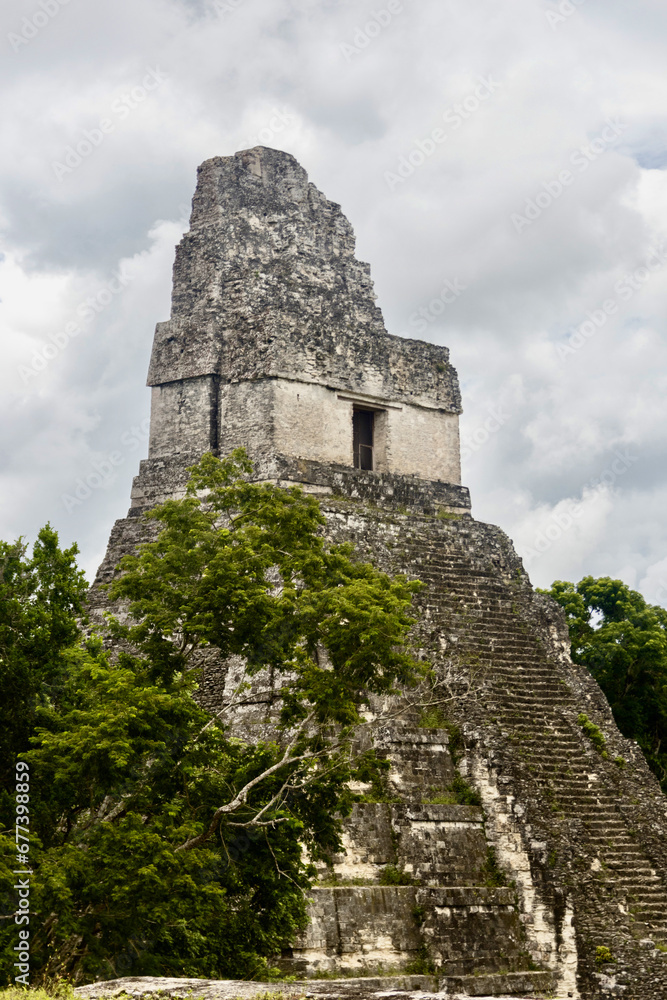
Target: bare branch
x=241, y=797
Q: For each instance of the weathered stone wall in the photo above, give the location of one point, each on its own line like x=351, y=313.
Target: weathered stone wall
x=184, y=417
x=167, y=476
x=358, y=929
x=313, y=422
x=271, y=304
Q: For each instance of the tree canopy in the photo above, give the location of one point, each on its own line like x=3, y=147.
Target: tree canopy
x=623, y=642
x=162, y=843
x=41, y=601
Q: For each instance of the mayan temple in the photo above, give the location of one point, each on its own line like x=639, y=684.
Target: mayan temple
x=276, y=343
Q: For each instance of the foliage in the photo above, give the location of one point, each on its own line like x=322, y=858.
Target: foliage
x=393, y=875
x=623, y=642
x=248, y=572
x=423, y=965
x=603, y=955
x=593, y=732
x=465, y=794
x=161, y=843
x=491, y=874
x=435, y=798
x=455, y=744
x=59, y=990
x=432, y=717
x=448, y=515
x=40, y=602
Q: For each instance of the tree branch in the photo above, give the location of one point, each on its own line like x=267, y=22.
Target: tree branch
x=241, y=797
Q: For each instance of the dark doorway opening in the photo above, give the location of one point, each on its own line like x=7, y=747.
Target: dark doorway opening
x=362, y=438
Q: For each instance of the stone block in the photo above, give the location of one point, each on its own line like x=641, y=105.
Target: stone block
x=358, y=928
x=475, y=929
x=440, y=844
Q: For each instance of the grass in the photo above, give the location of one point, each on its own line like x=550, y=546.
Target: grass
x=441, y=799
x=56, y=989
x=277, y=995
x=62, y=990
x=459, y=793
x=274, y=995
x=420, y=966
x=378, y=798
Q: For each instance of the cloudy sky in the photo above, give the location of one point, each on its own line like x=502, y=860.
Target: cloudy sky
x=503, y=163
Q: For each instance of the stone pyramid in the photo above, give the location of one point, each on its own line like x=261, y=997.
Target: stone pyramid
x=520, y=849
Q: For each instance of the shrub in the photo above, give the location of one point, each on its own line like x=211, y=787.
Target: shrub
x=393, y=875
x=594, y=734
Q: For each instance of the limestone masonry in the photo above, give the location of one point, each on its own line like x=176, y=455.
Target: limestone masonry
x=275, y=343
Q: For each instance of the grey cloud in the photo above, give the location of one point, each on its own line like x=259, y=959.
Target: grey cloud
x=450, y=219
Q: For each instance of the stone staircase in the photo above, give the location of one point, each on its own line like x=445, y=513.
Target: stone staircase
x=448, y=925
x=482, y=617
x=415, y=899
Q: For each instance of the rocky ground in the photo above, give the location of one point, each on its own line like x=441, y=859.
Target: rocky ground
x=408, y=987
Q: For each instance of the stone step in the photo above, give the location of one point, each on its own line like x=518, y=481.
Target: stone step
x=632, y=881
x=657, y=898
x=650, y=913
x=605, y=824
x=499, y=984
x=632, y=866
x=635, y=886
x=561, y=747
x=362, y=987
x=521, y=682
x=621, y=851
x=563, y=770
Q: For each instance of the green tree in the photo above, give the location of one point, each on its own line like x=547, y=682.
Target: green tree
x=623, y=642
x=163, y=843
x=41, y=603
